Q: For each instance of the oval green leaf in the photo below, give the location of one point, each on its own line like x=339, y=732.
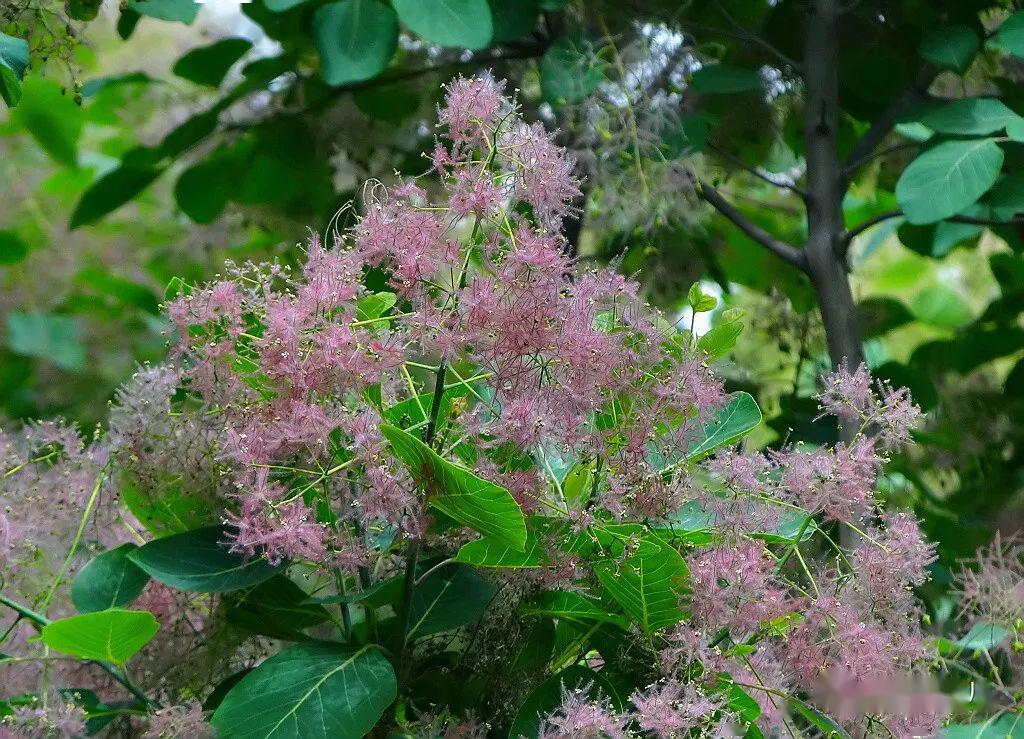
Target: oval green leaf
x=207, y=65
x=947, y=178
x=312, y=691
x=463, y=24
x=111, y=636
x=108, y=581
x=950, y=47
x=199, y=561
x=739, y=417
x=355, y=39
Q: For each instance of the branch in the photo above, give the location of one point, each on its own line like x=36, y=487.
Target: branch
x=883, y=125
x=857, y=164
x=776, y=246
x=753, y=37
x=757, y=173
x=875, y=220
x=862, y=227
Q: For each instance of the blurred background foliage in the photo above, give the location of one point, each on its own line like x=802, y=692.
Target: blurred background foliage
x=158, y=138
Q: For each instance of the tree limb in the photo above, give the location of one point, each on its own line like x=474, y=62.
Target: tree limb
x=860, y=228
x=857, y=164
x=875, y=220
x=883, y=125
x=757, y=173
x=776, y=246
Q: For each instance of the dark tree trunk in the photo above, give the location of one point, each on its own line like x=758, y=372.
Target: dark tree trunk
x=826, y=186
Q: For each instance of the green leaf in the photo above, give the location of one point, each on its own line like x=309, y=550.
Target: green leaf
x=942, y=306
x=1007, y=198
x=725, y=79
x=126, y=292
x=13, y=61
x=950, y=47
x=165, y=510
x=182, y=11
x=355, y=38
x=570, y=606
x=828, y=728
x=277, y=608
x=947, y=178
x=204, y=189
x=280, y=6
x=109, y=580
x=570, y=71
x=969, y=117
x=457, y=492
x=513, y=19
x=208, y=65
x=1003, y=726
x=111, y=191
x=447, y=599
x=699, y=301
x=465, y=24
x=48, y=336
x=112, y=636
x=487, y=552
x=648, y=585
x=734, y=421
x=12, y=248
x=375, y=306
x=309, y=691
x=720, y=339
x=1011, y=34
x=983, y=635
x=390, y=103
x=199, y=561
x=52, y=118
x=547, y=696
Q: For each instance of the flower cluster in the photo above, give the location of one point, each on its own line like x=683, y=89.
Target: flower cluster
x=725, y=589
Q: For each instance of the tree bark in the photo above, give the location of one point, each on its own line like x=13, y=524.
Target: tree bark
x=825, y=185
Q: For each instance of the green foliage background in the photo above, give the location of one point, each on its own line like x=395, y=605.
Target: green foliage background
x=158, y=138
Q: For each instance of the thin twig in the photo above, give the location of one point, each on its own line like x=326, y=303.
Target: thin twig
x=756, y=172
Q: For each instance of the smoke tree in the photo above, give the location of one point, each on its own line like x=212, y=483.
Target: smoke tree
x=441, y=482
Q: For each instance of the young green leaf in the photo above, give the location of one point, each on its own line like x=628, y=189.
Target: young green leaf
x=457, y=492
x=110, y=580
x=53, y=119
x=309, y=691
x=111, y=636
x=199, y=561
x=720, y=339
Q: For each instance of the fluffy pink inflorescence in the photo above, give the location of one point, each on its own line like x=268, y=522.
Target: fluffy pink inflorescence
x=567, y=370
